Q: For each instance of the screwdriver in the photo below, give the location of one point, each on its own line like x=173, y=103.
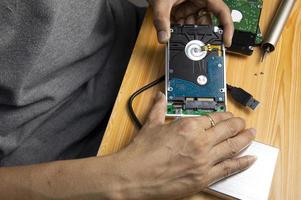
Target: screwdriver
x=276, y=27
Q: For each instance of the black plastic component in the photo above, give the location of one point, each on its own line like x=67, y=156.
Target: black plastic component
x=242, y=97
x=210, y=105
x=242, y=43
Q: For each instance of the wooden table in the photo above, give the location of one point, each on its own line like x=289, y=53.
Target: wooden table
x=276, y=83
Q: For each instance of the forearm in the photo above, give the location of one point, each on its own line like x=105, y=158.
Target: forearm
x=93, y=178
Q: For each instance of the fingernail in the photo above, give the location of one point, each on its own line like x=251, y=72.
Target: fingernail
x=252, y=159
x=159, y=95
x=163, y=36
x=253, y=131
x=228, y=44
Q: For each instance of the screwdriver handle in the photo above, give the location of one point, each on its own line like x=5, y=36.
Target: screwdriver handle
x=277, y=25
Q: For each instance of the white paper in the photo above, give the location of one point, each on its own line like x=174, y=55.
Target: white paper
x=255, y=182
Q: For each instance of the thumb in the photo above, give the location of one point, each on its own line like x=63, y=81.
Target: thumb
x=157, y=114
x=161, y=17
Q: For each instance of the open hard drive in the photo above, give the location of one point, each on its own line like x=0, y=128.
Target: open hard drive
x=195, y=71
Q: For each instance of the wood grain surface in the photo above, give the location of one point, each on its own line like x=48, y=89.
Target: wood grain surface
x=276, y=83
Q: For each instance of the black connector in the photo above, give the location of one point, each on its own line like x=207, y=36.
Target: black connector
x=242, y=97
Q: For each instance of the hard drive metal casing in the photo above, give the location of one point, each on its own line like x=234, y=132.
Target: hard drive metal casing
x=195, y=71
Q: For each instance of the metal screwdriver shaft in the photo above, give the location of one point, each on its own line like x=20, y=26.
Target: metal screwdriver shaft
x=276, y=27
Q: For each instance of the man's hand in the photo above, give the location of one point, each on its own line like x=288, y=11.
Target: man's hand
x=164, y=161
x=168, y=161
x=190, y=12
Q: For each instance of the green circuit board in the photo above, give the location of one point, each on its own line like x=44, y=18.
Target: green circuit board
x=245, y=15
x=259, y=38
x=171, y=110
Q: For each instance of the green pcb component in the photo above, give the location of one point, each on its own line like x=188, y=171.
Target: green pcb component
x=245, y=15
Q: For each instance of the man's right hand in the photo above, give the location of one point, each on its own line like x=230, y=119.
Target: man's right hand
x=164, y=161
x=168, y=161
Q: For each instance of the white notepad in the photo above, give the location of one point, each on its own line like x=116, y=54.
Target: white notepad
x=253, y=183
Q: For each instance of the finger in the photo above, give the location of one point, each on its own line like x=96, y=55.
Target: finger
x=217, y=117
x=230, y=167
x=185, y=9
x=172, y=19
x=206, y=19
x=203, y=123
x=157, y=114
x=161, y=17
x=190, y=20
x=232, y=146
x=181, y=21
x=221, y=10
x=199, y=4
x=226, y=129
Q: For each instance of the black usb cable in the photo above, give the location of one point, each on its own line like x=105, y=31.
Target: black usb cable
x=242, y=97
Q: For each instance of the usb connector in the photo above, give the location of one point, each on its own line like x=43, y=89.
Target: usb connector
x=242, y=97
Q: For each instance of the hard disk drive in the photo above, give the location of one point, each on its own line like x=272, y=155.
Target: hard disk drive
x=195, y=71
